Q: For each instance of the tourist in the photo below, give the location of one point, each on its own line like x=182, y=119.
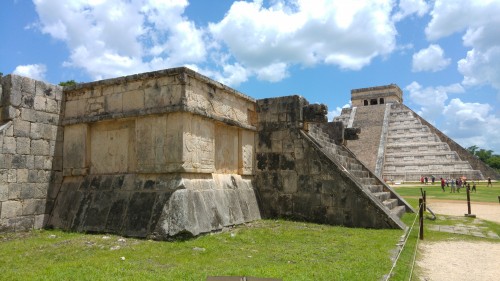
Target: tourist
x=421, y=179
x=452, y=186
x=474, y=186
x=426, y=180
x=489, y=183
x=442, y=184
x=459, y=185
x=433, y=179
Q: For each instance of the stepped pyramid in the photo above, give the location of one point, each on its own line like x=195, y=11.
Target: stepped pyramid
x=399, y=145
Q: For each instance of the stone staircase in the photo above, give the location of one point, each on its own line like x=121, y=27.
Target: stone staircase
x=412, y=151
x=343, y=157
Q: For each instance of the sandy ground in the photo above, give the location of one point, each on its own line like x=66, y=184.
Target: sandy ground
x=486, y=211
x=461, y=260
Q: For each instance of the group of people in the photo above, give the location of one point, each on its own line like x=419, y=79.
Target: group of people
x=454, y=184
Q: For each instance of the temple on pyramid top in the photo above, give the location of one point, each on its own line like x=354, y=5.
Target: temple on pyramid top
x=376, y=95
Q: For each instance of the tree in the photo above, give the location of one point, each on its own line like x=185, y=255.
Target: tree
x=68, y=83
x=472, y=149
x=484, y=154
x=494, y=162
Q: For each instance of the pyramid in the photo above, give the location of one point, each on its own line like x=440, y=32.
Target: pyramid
x=399, y=145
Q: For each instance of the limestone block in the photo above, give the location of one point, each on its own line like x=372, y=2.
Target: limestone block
x=11, y=209
x=40, y=103
x=21, y=128
x=114, y=103
x=9, y=145
x=4, y=191
x=12, y=175
x=246, y=152
x=28, y=114
x=40, y=221
x=33, y=207
x=95, y=106
x=71, y=109
x=22, y=175
x=52, y=106
x=133, y=100
x=75, y=146
x=15, y=191
x=160, y=96
x=226, y=149
x=151, y=143
x=198, y=145
x=23, y=145
x=43, y=131
x=9, y=113
x=112, y=147
x=40, y=147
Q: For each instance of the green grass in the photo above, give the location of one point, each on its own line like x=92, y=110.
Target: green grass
x=278, y=249
x=483, y=194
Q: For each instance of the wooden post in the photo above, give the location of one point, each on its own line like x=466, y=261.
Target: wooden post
x=468, y=204
x=421, y=218
x=468, y=200
x=425, y=201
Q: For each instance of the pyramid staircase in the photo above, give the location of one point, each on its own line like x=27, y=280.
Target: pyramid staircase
x=413, y=150
x=374, y=186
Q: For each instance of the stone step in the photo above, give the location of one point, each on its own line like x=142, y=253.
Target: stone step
x=360, y=173
x=412, y=139
x=382, y=196
x=390, y=203
x=403, y=128
x=420, y=154
x=369, y=181
x=374, y=188
x=355, y=167
x=418, y=144
x=399, y=211
x=426, y=162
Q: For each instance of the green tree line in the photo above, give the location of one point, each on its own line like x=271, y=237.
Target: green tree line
x=485, y=155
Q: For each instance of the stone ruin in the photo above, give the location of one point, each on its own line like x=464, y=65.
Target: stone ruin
x=172, y=152
x=399, y=145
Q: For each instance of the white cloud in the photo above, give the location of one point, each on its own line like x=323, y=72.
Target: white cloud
x=430, y=59
x=409, y=7
x=34, y=71
x=274, y=72
x=449, y=17
x=481, y=25
x=117, y=37
x=348, y=34
x=481, y=67
x=432, y=100
x=472, y=124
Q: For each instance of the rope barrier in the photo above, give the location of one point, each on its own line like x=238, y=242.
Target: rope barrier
x=402, y=247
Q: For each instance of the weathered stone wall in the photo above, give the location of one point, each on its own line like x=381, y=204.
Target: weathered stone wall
x=30, y=151
x=296, y=179
x=157, y=155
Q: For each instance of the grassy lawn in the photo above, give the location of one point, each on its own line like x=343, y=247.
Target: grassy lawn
x=483, y=194
x=267, y=248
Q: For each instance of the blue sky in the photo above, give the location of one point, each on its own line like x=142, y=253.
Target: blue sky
x=445, y=55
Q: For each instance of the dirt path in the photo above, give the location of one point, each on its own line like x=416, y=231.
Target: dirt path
x=484, y=210
x=461, y=260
